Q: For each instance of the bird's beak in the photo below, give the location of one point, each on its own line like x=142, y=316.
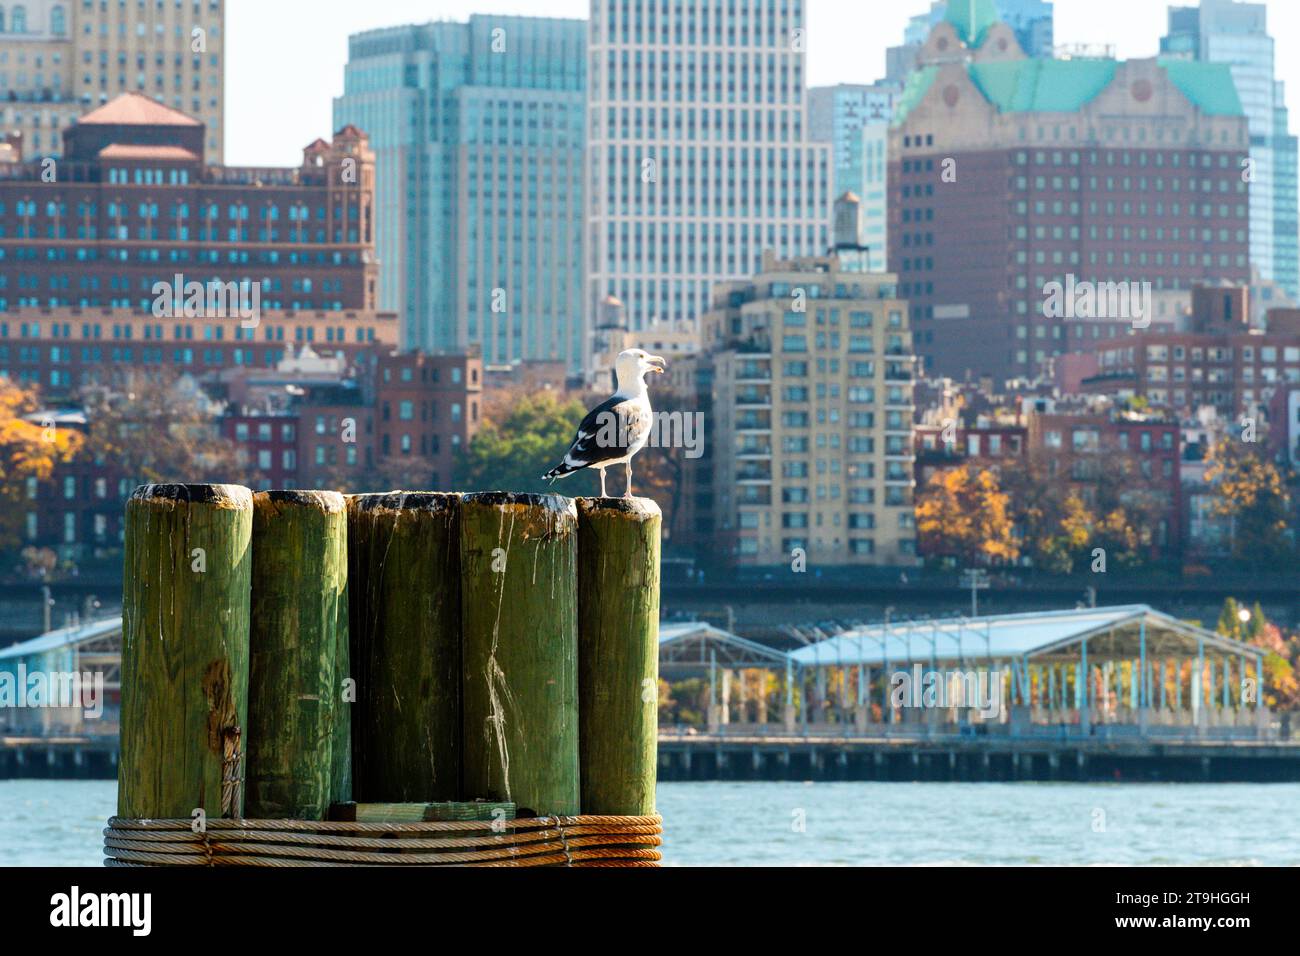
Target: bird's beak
x=662, y=365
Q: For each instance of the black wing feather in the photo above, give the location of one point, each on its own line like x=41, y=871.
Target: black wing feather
x=605, y=434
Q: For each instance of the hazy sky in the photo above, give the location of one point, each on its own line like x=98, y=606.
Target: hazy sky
x=286, y=56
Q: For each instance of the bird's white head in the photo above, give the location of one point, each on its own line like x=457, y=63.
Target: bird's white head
x=632, y=366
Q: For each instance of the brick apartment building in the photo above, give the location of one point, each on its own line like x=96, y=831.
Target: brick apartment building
x=1009, y=173
x=983, y=443
x=1141, y=453
x=1283, y=439
x=132, y=204
x=428, y=406
x=1218, y=361
x=1079, y=448
x=314, y=392
x=65, y=349
x=311, y=422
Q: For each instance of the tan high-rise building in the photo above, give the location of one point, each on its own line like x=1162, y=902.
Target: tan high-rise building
x=60, y=59
x=811, y=417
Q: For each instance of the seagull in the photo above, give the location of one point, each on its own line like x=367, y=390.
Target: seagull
x=618, y=427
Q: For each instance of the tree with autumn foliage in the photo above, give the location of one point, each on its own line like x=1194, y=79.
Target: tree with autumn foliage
x=154, y=428
x=1062, y=522
x=1252, y=493
x=963, y=513
x=1281, y=652
x=1079, y=530
x=28, y=449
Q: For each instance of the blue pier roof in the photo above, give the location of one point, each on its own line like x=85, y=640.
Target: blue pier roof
x=1114, y=633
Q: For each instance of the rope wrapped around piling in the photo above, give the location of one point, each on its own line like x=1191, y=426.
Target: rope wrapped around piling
x=535, y=841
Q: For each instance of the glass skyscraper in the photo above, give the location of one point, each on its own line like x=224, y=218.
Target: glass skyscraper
x=478, y=131
x=699, y=156
x=1224, y=31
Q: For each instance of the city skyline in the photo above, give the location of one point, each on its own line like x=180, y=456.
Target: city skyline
x=273, y=131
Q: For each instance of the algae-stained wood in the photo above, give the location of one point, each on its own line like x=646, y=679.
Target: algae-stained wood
x=344, y=687
x=295, y=696
x=618, y=653
x=519, y=601
x=404, y=608
x=185, y=618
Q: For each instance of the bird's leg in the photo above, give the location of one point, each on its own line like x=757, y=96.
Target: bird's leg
x=628, y=465
x=602, y=482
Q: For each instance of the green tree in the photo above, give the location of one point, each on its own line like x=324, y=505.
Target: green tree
x=530, y=437
x=1230, y=620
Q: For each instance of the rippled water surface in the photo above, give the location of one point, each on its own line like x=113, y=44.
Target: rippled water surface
x=750, y=823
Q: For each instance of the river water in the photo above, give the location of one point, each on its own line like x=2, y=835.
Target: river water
x=748, y=823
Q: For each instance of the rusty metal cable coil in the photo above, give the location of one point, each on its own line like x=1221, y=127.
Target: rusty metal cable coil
x=533, y=841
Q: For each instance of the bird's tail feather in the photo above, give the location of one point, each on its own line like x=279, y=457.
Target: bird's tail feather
x=559, y=471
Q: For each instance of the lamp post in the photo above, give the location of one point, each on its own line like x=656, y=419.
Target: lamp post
x=977, y=580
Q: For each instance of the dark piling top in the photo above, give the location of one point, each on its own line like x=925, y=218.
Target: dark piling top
x=221, y=496
x=433, y=501
x=642, y=508
x=330, y=502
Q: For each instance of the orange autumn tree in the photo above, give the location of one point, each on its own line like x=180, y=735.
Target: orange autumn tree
x=1252, y=492
x=28, y=449
x=964, y=514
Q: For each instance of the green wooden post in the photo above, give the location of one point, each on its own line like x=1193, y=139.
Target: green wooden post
x=618, y=653
x=299, y=621
x=185, y=613
x=404, y=608
x=519, y=595
x=344, y=686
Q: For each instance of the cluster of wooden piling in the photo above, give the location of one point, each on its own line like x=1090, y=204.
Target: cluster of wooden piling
x=285, y=652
